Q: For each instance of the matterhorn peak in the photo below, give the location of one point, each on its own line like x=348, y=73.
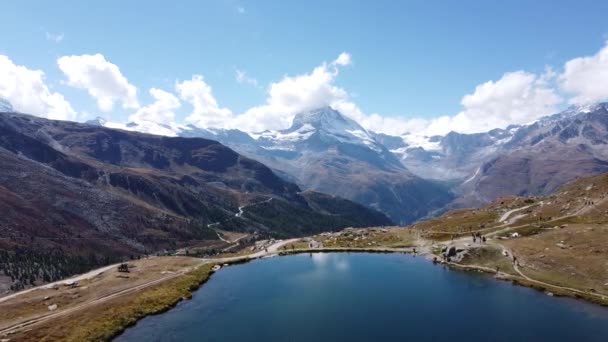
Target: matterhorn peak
x=323, y=117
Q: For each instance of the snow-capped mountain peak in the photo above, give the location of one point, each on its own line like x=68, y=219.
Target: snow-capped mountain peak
x=324, y=117
x=329, y=125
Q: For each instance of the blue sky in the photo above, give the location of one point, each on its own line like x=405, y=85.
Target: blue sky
x=408, y=59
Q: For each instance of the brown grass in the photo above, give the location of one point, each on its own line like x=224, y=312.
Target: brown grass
x=103, y=322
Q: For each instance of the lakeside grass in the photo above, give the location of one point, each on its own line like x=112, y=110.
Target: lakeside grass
x=108, y=320
x=489, y=257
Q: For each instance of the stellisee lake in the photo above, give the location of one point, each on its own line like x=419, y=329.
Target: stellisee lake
x=367, y=297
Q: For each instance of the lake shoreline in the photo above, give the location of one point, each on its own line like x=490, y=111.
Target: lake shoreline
x=427, y=256
x=112, y=327
x=552, y=290
x=210, y=298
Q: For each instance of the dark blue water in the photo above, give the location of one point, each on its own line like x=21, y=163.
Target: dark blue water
x=367, y=297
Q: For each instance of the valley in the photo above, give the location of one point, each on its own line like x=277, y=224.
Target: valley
x=413, y=176
x=553, y=243
x=80, y=197
x=77, y=197
x=301, y=171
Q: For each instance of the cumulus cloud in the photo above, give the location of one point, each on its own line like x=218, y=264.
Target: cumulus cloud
x=206, y=111
x=27, y=91
x=343, y=59
x=156, y=118
x=286, y=97
x=162, y=110
x=102, y=79
x=516, y=98
x=586, y=77
x=294, y=94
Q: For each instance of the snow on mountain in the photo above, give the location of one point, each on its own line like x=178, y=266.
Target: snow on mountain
x=5, y=105
x=326, y=124
x=327, y=151
x=284, y=140
x=143, y=126
x=452, y=157
x=98, y=121
x=225, y=136
x=428, y=143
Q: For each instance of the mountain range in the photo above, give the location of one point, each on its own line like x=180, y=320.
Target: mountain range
x=88, y=193
x=328, y=152
x=411, y=176
x=408, y=177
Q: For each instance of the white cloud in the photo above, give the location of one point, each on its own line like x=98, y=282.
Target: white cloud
x=26, y=90
x=516, y=98
x=343, y=59
x=102, y=79
x=206, y=111
x=54, y=37
x=242, y=78
x=285, y=98
x=294, y=94
x=156, y=118
x=312, y=90
x=587, y=77
x=240, y=9
x=162, y=110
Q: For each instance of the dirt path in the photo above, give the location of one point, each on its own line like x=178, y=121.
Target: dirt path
x=45, y=317
x=240, y=213
x=221, y=237
x=270, y=250
x=506, y=215
x=77, y=278
x=517, y=269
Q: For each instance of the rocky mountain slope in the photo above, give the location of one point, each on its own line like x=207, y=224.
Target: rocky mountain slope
x=326, y=151
x=400, y=175
x=556, y=242
x=529, y=159
x=89, y=190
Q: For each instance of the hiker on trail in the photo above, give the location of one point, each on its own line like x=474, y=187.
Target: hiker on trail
x=514, y=260
x=483, y=239
x=474, y=239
